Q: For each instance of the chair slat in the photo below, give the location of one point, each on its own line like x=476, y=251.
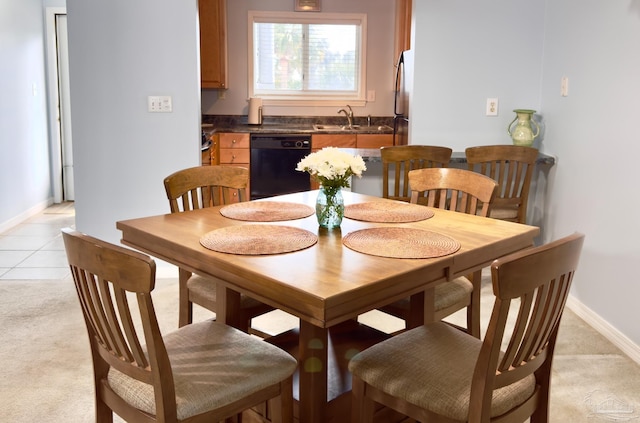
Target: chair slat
x=512, y=167
x=135, y=350
x=398, y=161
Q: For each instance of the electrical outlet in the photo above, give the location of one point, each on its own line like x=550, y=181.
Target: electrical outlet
x=159, y=104
x=492, y=107
x=371, y=95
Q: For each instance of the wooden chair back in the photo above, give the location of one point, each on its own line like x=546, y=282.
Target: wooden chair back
x=536, y=283
x=114, y=286
x=400, y=160
x=453, y=189
x=512, y=167
x=103, y=275
x=206, y=186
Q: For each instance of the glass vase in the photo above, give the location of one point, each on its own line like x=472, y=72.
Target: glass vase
x=330, y=207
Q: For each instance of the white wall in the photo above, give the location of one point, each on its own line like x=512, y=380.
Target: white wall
x=594, y=134
x=120, y=53
x=24, y=157
x=518, y=51
x=466, y=52
x=380, y=58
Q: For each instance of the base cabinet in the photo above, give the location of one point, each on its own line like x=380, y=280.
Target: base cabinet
x=374, y=140
x=234, y=150
x=320, y=141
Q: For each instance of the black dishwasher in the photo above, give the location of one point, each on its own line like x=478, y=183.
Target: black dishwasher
x=274, y=158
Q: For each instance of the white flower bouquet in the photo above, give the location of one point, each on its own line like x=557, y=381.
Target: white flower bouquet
x=332, y=167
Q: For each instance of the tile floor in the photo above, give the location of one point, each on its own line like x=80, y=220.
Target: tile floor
x=34, y=248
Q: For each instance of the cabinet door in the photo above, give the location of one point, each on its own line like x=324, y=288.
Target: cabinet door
x=235, y=156
x=403, y=27
x=234, y=148
x=234, y=140
x=319, y=141
x=213, y=43
x=215, y=149
x=374, y=140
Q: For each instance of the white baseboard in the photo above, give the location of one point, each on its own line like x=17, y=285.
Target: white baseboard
x=16, y=220
x=614, y=336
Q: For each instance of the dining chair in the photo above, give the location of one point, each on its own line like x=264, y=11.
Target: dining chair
x=195, y=188
x=512, y=167
x=435, y=373
x=203, y=372
x=400, y=160
x=462, y=191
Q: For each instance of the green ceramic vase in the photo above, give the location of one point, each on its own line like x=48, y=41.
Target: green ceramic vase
x=523, y=132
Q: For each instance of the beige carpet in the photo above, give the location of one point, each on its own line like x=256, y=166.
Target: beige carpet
x=46, y=367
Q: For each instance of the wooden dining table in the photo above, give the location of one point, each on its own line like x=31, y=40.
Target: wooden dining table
x=327, y=285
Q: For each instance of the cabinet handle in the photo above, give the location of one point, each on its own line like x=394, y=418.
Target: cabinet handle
x=233, y=141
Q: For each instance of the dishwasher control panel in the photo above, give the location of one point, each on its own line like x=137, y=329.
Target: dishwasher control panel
x=270, y=141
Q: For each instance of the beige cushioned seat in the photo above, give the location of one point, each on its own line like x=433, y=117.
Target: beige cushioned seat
x=232, y=366
x=432, y=367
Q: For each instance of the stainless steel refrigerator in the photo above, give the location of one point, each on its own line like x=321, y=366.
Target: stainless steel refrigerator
x=403, y=87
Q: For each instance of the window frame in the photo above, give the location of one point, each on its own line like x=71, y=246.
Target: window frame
x=307, y=98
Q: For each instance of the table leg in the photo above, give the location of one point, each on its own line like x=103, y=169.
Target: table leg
x=228, y=306
x=421, y=308
x=313, y=361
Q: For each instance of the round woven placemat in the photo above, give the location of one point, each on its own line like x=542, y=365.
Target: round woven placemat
x=266, y=211
x=401, y=243
x=387, y=212
x=258, y=239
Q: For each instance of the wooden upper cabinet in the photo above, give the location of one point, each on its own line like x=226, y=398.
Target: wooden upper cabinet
x=403, y=27
x=213, y=43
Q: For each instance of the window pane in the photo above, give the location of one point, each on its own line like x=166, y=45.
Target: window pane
x=279, y=56
x=309, y=58
x=333, y=57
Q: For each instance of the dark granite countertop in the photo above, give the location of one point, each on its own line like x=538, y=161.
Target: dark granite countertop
x=296, y=125
x=372, y=155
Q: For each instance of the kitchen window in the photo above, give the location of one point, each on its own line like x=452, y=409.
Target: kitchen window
x=303, y=58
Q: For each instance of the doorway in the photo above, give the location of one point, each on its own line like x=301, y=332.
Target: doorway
x=59, y=105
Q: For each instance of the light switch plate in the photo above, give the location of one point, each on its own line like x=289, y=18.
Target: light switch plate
x=564, y=86
x=159, y=104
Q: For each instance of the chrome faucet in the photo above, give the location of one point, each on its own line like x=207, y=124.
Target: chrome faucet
x=348, y=114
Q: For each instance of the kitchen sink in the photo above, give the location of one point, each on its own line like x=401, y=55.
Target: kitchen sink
x=385, y=128
x=323, y=127
x=337, y=128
